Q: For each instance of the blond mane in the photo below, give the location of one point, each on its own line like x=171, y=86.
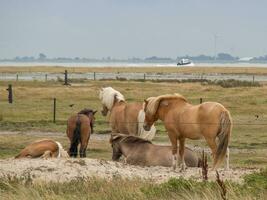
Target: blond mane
x=153, y=102
x=107, y=94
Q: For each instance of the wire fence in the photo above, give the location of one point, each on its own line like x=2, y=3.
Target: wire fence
x=42, y=76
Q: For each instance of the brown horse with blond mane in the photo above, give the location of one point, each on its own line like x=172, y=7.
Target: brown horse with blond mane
x=79, y=129
x=183, y=120
x=126, y=118
x=44, y=148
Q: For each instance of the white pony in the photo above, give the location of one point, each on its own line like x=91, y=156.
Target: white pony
x=125, y=118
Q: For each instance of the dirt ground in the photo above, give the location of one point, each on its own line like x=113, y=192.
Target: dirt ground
x=64, y=170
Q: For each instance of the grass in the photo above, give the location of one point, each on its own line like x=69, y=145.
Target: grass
x=254, y=187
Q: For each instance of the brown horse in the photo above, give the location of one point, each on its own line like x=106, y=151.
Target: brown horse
x=126, y=118
x=79, y=129
x=182, y=120
x=45, y=148
x=138, y=151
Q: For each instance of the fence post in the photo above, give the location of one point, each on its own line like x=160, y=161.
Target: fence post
x=45, y=77
x=66, y=78
x=10, y=94
x=94, y=76
x=54, y=110
x=144, y=77
x=200, y=100
x=17, y=77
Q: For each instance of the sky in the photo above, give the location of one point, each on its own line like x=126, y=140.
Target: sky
x=137, y=28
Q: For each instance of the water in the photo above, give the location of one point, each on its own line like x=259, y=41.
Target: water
x=124, y=64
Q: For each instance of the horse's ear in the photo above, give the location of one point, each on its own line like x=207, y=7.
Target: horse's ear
x=94, y=112
x=146, y=101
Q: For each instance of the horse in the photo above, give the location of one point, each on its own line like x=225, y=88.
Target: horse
x=138, y=151
x=126, y=118
x=44, y=148
x=79, y=129
x=183, y=120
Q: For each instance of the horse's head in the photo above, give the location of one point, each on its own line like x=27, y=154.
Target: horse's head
x=149, y=118
x=108, y=97
x=104, y=110
x=116, y=148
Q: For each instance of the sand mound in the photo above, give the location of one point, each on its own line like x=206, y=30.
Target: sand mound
x=64, y=170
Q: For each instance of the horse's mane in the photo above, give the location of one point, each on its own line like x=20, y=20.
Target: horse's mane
x=129, y=139
x=153, y=102
x=107, y=94
x=86, y=111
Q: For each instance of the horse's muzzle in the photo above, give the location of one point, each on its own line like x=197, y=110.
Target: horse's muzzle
x=147, y=127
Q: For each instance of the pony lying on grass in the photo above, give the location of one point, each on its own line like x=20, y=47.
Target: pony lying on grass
x=45, y=148
x=79, y=129
x=209, y=120
x=138, y=151
x=125, y=118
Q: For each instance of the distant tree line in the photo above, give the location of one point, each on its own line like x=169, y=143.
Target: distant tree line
x=220, y=57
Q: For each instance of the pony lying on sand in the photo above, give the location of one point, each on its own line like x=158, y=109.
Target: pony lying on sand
x=126, y=118
x=183, y=120
x=79, y=129
x=138, y=151
x=45, y=148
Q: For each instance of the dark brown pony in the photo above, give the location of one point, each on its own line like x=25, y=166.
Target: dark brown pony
x=79, y=129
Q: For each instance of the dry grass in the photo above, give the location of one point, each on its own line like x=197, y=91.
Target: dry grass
x=254, y=187
x=151, y=69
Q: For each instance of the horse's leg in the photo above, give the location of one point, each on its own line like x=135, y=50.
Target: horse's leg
x=85, y=135
x=226, y=166
x=213, y=146
x=181, y=153
x=173, y=140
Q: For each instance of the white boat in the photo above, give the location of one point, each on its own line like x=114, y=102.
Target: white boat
x=185, y=62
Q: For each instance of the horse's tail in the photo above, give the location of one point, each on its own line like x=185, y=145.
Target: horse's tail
x=149, y=135
x=76, y=138
x=61, y=152
x=224, y=137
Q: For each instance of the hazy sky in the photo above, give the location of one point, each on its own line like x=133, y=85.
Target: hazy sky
x=124, y=28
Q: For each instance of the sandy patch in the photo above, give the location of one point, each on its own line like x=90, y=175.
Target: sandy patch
x=64, y=170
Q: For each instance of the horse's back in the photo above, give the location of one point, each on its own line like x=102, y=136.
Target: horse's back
x=131, y=117
x=78, y=118
x=37, y=148
x=162, y=156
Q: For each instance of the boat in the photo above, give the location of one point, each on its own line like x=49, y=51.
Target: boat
x=185, y=62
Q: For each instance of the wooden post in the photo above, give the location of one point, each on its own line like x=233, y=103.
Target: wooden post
x=94, y=76
x=144, y=77
x=54, y=110
x=17, y=77
x=66, y=78
x=200, y=100
x=45, y=77
x=10, y=94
